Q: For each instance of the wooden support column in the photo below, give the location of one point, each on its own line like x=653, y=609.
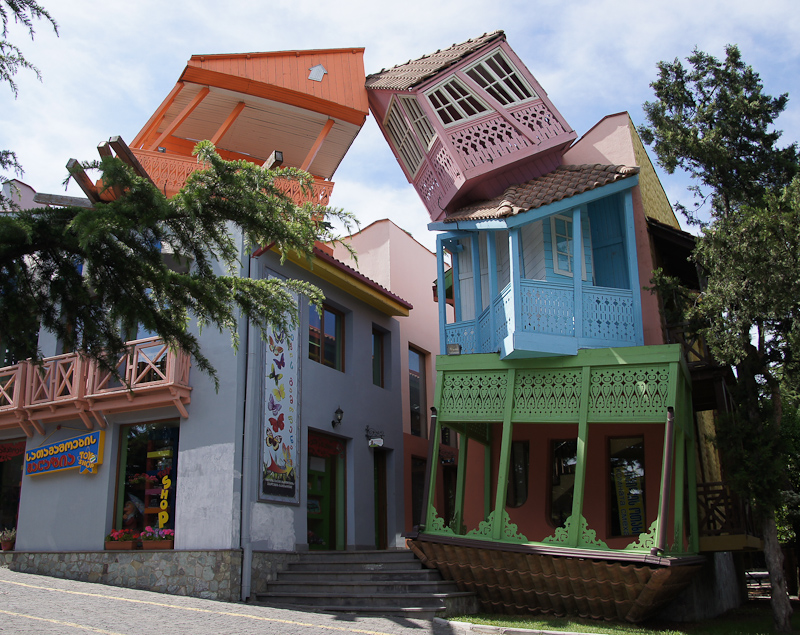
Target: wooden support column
x=183, y=116
x=82, y=179
x=441, y=291
x=433, y=454
x=577, y=271
x=505, y=456
x=456, y=281
x=691, y=457
x=579, y=490
x=312, y=154
x=476, y=282
x=515, y=272
x=491, y=251
x=667, y=461
x=124, y=153
x=229, y=121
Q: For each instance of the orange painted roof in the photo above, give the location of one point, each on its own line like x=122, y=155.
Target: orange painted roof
x=343, y=84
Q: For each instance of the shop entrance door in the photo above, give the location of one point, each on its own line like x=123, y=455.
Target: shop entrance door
x=326, y=498
x=11, y=461
x=381, y=500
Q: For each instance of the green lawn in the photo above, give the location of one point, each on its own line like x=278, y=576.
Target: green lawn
x=754, y=618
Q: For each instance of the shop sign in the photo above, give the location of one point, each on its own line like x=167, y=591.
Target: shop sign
x=280, y=436
x=84, y=452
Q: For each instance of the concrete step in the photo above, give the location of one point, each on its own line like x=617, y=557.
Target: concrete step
x=367, y=587
x=339, y=575
x=430, y=601
x=368, y=582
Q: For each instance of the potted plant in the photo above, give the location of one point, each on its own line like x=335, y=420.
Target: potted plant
x=7, y=539
x=121, y=539
x=157, y=538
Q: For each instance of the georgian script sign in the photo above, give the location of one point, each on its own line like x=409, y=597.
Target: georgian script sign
x=84, y=452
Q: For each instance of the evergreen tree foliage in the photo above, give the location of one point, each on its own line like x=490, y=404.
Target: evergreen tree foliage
x=713, y=120
x=12, y=60
x=91, y=275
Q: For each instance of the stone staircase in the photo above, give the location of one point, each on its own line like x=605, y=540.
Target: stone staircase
x=366, y=582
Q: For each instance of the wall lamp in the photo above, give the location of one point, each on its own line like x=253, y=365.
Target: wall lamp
x=337, y=418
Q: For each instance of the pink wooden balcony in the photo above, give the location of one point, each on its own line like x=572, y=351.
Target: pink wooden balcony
x=71, y=387
x=170, y=171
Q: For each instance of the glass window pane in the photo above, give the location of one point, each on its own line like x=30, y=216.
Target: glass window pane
x=562, y=479
x=626, y=470
x=416, y=393
x=518, y=466
x=148, y=476
x=377, y=358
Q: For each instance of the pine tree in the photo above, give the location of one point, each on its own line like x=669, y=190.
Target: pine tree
x=90, y=275
x=713, y=120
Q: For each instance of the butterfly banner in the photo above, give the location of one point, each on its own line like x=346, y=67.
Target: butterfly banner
x=279, y=430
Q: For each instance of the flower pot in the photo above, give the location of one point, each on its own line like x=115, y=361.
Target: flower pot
x=120, y=545
x=7, y=545
x=157, y=544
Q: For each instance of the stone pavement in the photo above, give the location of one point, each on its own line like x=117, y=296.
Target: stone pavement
x=40, y=605
x=33, y=604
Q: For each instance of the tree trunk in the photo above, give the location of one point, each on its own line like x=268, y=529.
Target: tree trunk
x=781, y=607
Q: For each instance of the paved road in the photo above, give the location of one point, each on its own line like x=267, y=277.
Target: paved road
x=32, y=604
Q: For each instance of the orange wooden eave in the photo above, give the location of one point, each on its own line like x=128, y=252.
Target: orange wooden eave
x=246, y=86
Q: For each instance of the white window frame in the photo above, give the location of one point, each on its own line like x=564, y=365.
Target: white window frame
x=456, y=103
x=506, y=81
x=402, y=137
x=419, y=120
x=554, y=239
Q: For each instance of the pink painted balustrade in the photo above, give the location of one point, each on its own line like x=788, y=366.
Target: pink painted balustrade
x=71, y=387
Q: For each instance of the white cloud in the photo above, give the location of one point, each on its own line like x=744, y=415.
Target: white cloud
x=115, y=62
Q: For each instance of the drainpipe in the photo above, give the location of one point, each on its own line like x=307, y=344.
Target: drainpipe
x=666, y=480
x=247, y=460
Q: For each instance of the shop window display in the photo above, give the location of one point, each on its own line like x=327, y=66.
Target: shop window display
x=147, y=476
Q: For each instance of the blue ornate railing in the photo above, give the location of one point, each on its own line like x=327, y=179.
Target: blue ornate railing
x=548, y=308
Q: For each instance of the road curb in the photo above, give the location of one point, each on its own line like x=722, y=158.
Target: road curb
x=467, y=628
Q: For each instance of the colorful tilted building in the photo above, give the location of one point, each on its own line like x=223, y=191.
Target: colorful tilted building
x=585, y=482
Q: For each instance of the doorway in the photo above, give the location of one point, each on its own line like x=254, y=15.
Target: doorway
x=381, y=499
x=326, y=498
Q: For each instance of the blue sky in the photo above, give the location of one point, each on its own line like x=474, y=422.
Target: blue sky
x=114, y=62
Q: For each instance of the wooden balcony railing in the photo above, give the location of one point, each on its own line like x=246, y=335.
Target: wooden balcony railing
x=694, y=347
x=725, y=522
x=547, y=308
x=170, y=171
x=69, y=386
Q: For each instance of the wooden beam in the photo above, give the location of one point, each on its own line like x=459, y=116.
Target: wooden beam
x=104, y=150
x=312, y=154
x=255, y=88
x=125, y=153
x=154, y=121
x=183, y=116
x=228, y=123
x=83, y=180
x=61, y=200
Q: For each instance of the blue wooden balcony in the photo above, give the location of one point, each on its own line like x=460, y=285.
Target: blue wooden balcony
x=546, y=322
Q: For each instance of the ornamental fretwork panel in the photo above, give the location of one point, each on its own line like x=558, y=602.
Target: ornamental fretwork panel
x=473, y=396
x=547, y=394
x=629, y=392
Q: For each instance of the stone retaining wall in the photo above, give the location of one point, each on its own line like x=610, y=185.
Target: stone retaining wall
x=214, y=575
x=266, y=565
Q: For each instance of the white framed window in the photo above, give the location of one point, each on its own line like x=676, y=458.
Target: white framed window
x=497, y=76
x=402, y=137
x=422, y=126
x=453, y=102
x=561, y=233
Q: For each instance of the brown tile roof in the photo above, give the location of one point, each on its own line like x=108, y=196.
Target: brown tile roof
x=563, y=182
x=413, y=72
